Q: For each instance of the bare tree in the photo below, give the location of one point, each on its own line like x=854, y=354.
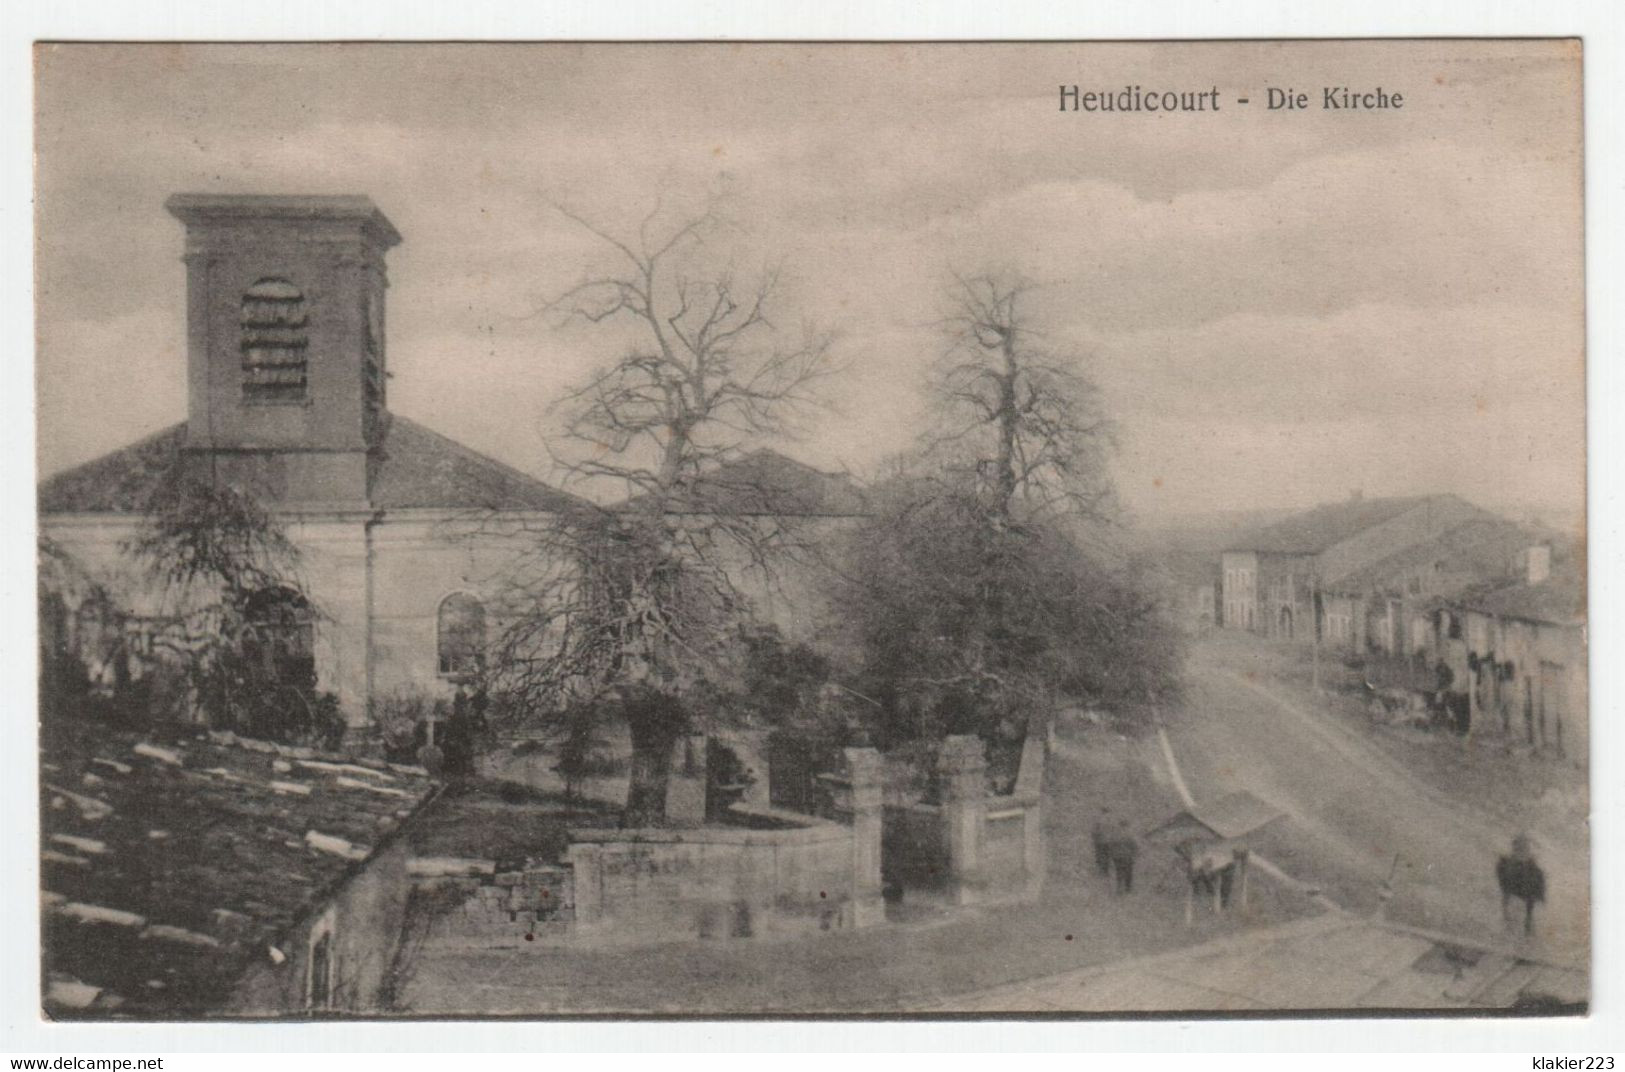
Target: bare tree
x=645, y=618
x=1018, y=412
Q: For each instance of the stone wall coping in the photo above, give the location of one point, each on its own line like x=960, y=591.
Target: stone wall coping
x=816, y=831
x=449, y=866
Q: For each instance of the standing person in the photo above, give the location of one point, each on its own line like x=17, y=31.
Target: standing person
x=1100, y=838
x=1520, y=876
x=1123, y=850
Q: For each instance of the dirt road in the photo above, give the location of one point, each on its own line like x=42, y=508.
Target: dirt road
x=1352, y=811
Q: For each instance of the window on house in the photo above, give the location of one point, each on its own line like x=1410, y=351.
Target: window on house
x=274, y=342
x=461, y=632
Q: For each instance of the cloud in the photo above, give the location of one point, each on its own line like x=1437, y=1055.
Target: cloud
x=1252, y=290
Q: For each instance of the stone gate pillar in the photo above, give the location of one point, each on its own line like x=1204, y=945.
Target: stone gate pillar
x=586, y=861
x=962, y=766
x=863, y=766
x=1029, y=794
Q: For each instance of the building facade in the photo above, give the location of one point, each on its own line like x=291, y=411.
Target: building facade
x=405, y=538
x=1525, y=650
x=1359, y=575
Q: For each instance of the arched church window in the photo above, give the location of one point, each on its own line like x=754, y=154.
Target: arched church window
x=461, y=632
x=274, y=342
x=280, y=638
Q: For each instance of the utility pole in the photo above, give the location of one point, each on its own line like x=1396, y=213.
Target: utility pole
x=1314, y=614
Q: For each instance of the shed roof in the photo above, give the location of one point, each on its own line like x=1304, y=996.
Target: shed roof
x=171, y=862
x=1232, y=816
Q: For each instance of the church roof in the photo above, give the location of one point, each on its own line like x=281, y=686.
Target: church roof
x=118, y=483
x=413, y=468
x=422, y=468
x=769, y=483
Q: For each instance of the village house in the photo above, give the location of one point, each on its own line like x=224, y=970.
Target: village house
x=406, y=538
x=1354, y=575
x=1524, y=649
x=186, y=874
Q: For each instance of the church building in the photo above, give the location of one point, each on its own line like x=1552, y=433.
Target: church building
x=404, y=536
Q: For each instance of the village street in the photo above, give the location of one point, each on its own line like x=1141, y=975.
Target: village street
x=1351, y=808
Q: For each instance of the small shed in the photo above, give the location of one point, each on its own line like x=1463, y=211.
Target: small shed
x=1230, y=818
x=1212, y=840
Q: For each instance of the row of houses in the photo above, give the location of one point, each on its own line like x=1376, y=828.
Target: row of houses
x=1488, y=612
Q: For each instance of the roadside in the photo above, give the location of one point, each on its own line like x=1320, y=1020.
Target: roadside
x=1484, y=773
x=1376, y=836
x=1325, y=963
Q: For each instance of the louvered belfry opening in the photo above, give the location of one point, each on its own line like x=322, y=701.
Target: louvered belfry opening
x=274, y=342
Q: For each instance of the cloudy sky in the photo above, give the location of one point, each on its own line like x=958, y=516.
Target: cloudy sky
x=1279, y=307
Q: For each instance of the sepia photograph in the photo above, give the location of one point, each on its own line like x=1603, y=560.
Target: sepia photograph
x=750, y=529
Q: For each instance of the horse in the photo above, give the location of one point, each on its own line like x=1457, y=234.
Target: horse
x=1211, y=869
x=1520, y=876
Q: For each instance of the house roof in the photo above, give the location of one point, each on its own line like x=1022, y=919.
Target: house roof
x=412, y=467
x=1471, y=553
x=173, y=862
x=1558, y=600
x=767, y=482
x=1313, y=531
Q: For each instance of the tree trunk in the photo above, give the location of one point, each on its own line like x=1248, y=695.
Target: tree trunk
x=1008, y=425
x=655, y=724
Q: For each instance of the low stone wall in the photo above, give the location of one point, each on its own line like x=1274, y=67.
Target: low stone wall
x=471, y=901
x=714, y=882
x=775, y=873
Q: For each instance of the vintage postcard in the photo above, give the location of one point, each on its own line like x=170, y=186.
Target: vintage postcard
x=1060, y=529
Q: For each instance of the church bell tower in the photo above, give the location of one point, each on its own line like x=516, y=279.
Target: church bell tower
x=286, y=367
